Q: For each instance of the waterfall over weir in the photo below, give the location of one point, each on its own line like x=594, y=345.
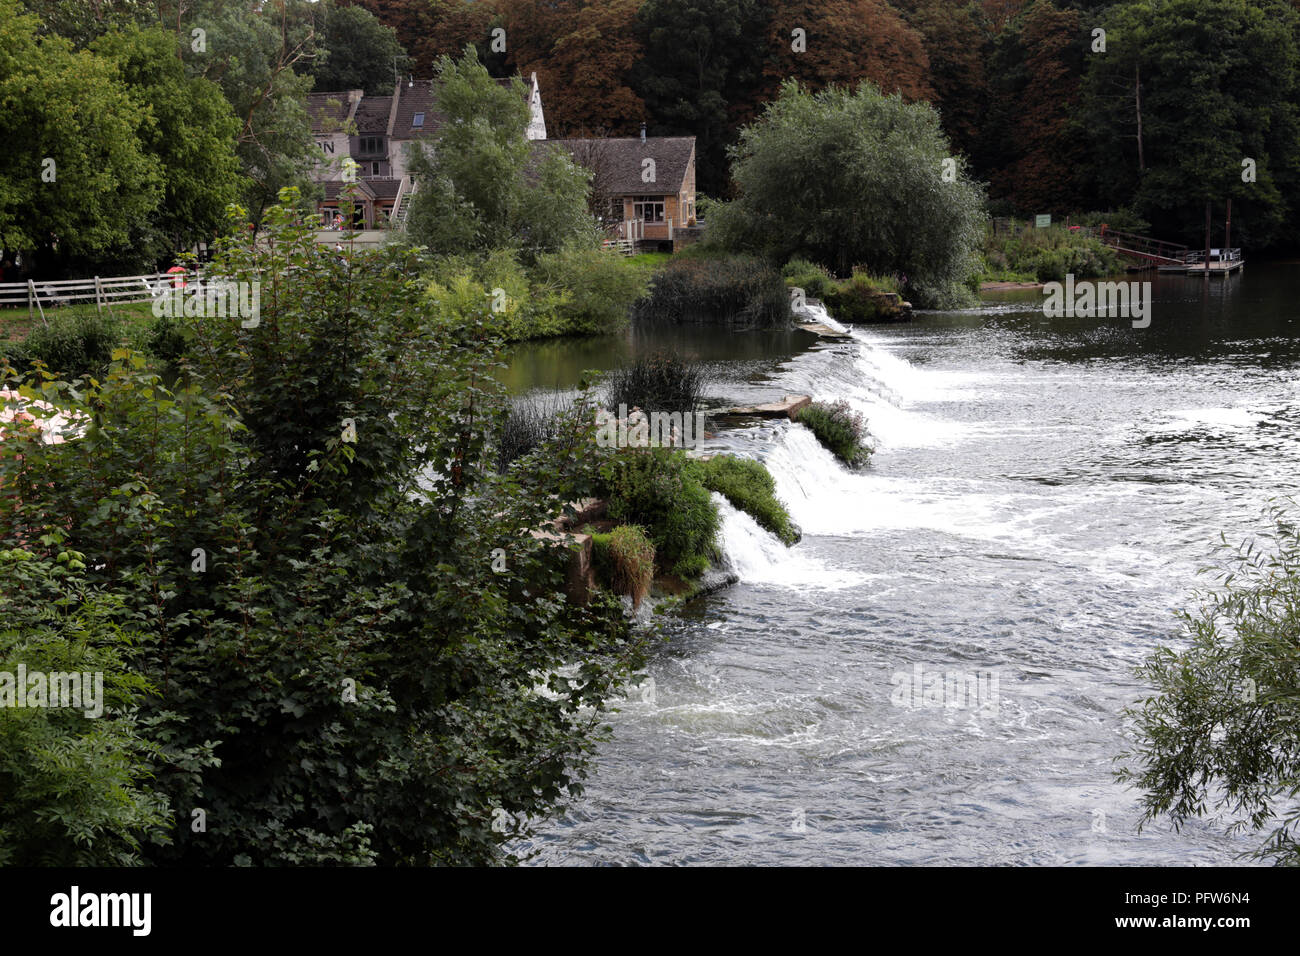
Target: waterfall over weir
x=1039, y=502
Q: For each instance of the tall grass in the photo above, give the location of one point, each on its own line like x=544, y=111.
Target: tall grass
x=663, y=382
x=733, y=291
x=530, y=422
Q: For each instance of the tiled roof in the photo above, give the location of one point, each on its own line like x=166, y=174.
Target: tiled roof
x=383, y=188
x=372, y=114
x=334, y=187
x=411, y=100
x=619, y=161
x=328, y=111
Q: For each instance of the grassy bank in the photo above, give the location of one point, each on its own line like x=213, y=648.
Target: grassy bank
x=1045, y=255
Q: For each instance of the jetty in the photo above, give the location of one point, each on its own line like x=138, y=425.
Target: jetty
x=1175, y=259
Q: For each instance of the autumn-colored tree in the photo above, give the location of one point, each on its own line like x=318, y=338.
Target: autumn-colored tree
x=819, y=42
x=955, y=38
x=1038, y=156
x=1000, y=13
x=582, y=52
x=430, y=29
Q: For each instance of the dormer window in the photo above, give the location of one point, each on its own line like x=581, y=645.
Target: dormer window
x=417, y=121
x=372, y=145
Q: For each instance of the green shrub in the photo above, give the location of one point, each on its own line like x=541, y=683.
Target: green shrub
x=840, y=429
x=1047, y=255
x=663, y=382
x=626, y=557
x=1218, y=737
x=77, y=789
x=70, y=346
x=863, y=298
x=749, y=487
x=737, y=292
x=658, y=490
x=596, y=288
x=327, y=616
x=809, y=276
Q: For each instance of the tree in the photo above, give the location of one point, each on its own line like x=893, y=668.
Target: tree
x=702, y=62
x=82, y=20
x=304, y=530
x=1185, y=94
x=583, y=53
x=431, y=29
x=479, y=186
x=359, y=52
x=1037, y=153
x=1222, y=732
x=188, y=127
x=955, y=38
x=74, y=178
x=844, y=42
x=252, y=53
x=855, y=178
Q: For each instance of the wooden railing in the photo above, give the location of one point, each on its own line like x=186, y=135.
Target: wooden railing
x=35, y=295
x=1145, y=247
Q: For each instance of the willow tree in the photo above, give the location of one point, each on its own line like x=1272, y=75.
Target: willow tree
x=853, y=178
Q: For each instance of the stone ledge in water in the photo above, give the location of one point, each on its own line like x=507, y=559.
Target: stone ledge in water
x=669, y=591
x=788, y=407
x=825, y=331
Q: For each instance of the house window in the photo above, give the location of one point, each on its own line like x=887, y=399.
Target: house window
x=374, y=169
x=417, y=120
x=370, y=145
x=649, y=208
x=616, y=210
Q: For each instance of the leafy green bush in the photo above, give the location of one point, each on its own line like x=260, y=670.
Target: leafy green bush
x=863, y=298
x=576, y=291
x=307, y=539
x=658, y=490
x=78, y=789
x=596, y=289
x=840, y=429
x=1047, y=255
x=734, y=291
x=70, y=346
x=626, y=557
x=1219, y=736
x=809, y=276
x=663, y=382
x=749, y=487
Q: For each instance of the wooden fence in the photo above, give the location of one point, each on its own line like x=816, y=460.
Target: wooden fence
x=35, y=295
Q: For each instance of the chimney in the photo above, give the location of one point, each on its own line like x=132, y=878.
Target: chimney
x=643, y=132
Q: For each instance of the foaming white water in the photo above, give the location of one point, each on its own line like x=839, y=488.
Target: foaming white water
x=759, y=558
x=816, y=312
x=825, y=498
x=1189, y=418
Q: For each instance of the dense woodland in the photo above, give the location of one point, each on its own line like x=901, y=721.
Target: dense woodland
x=1156, y=123
x=1176, y=103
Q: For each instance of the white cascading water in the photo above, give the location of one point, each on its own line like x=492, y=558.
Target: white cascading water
x=758, y=557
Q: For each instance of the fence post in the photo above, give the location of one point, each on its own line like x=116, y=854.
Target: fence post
x=31, y=294
x=99, y=298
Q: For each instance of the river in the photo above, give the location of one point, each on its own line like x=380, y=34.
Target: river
x=1041, y=498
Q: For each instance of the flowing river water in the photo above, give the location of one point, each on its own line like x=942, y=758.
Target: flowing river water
x=1041, y=498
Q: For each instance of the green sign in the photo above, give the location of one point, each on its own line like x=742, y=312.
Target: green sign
x=1042, y=222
